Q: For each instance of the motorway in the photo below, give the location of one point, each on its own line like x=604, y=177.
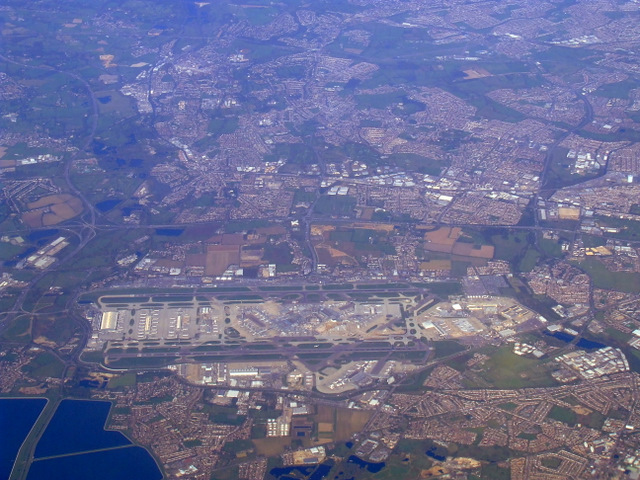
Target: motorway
x=91, y=223
x=86, y=231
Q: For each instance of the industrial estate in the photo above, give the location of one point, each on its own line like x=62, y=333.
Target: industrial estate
x=364, y=239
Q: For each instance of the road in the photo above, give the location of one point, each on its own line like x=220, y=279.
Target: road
x=86, y=231
x=90, y=224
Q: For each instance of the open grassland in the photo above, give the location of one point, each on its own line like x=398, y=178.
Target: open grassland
x=505, y=369
x=52, y=209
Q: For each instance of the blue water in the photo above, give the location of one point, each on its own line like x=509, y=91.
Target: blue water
x=563, y=336
x=17, y=416
x=589, y=344
x=372, y=467
x=126, y=211
x=40, y=234
x=284, y=471
x=321, y=472
x=78, y=426
x=169, y=232
x=129, y=463
x=310, y=472
x=26, y=253
x=432, y=453
x=107, y=205
x=582, y=343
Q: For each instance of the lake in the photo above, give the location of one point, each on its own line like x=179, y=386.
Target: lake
x=589, y=344
x=17, y=416
x=40, y=234
x=309, y=472
x=285, y=472
x=75, y=446
x=582, y=343
x=128, y=463
x=108, y=204
x=372, y=467
x=562, y=336
x=78, y=426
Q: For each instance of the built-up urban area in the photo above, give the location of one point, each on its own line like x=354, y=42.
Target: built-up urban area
x=333, y=239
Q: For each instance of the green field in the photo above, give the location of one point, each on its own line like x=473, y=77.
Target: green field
x=224, y=415
x=617, y=89
x=279, y=253
x=125, y=380
x=417, y=163
x=505, y=369
x=528, y=261
x=142, y=362
x=19, y=330
x=445, y=348
x=8, y=251
x=603, y=278
x=508, y=245
x=43, y=366
x=492, y=471
x=564, y=415
x=398, y=100
x=551, y=248
x=629, y=229
x=335, y=205
x=57, y=328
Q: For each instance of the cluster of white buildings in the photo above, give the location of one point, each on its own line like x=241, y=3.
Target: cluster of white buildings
x=604, y=361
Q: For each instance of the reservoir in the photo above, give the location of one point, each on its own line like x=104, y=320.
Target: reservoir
x=78, y=426
x=128, y=463
x=17, y=416
x=75, y=446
